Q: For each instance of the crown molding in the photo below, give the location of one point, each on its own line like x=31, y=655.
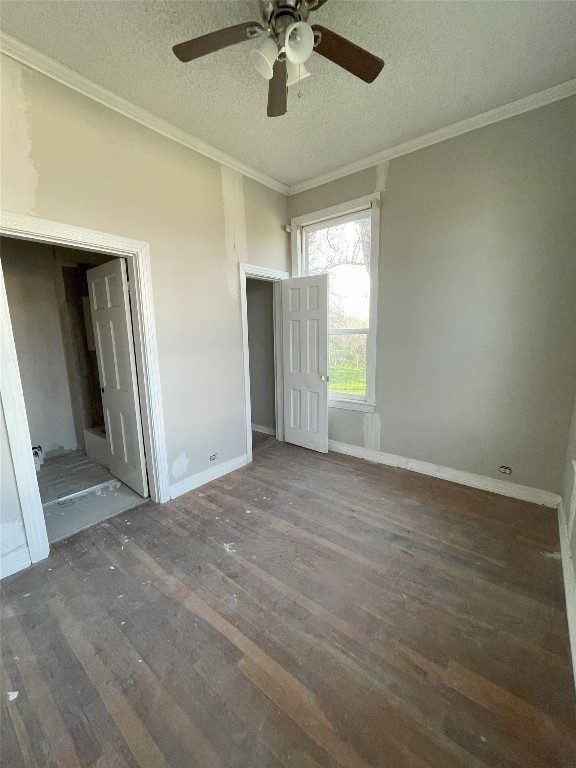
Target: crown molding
x=32, y=58
x=526, y=104
x=21, y=52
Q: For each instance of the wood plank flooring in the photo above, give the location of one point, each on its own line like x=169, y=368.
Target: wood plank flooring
x=307, y=610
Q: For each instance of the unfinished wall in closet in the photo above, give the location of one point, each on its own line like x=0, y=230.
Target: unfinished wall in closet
x=260, y=304
x=29, y=276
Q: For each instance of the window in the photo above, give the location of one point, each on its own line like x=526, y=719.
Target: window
x=343, y=246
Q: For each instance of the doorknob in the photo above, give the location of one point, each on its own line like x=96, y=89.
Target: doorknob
x=324, y=378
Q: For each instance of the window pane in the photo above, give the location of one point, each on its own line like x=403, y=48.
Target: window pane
x=347, y=364
x=343, y=250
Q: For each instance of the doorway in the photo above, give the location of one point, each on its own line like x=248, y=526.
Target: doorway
x=47, y=288
x=300, y=344
x=136, y=255
x=260, y=301
x=261, y=348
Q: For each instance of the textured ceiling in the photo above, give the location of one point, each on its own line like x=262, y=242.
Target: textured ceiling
x=445, y=61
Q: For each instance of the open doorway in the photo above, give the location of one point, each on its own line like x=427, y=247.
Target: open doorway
x=299, y=330
x=61, y=372
x=260, y=301
x=261, y=349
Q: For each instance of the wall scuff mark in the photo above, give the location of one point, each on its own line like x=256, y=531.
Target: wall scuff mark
x=235, y=238
x=12, y=535
x=179, y=465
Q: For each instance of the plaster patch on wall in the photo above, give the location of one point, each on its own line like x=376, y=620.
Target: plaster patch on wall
x=12, y=536
x=376, y=424
x=372, y=423
x=552, y=555
x=367, y=430
x=179, y=465
x=381, y=174
x=17, y=158
x=235, y=238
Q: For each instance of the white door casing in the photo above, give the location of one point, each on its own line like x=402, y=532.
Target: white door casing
x=136, y=253
x=305, y=357
x=275, y=276
x=110, y=305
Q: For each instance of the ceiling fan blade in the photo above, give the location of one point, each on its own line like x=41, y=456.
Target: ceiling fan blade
x=278, y=90
x=215, y=41
x=347, y=55
x=315, y=6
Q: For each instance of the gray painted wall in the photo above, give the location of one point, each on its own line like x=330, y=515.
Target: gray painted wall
x=568, y=480
x=29, y=276
x=568, y=484
x=337, y=191
x=266, y=212
x=477, y=299
x=260, y=302
x=72, y=160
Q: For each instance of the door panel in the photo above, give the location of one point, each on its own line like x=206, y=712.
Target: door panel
x=110, y=304
x=305, y=343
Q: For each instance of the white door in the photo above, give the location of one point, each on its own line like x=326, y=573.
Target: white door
x=109, y=302
x=305, y=349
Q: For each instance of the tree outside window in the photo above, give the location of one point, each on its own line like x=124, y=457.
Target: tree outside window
x=342, y=250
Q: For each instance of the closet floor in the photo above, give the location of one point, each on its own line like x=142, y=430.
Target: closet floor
x=260, y=440
x=70, y=473
x=77, y=493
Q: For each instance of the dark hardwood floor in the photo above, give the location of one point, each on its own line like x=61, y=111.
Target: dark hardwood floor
x=307, y=610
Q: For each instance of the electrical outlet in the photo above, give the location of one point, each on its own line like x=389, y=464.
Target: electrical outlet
x=213, y=457
x=505, y=470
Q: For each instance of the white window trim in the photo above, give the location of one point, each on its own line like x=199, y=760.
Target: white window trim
x=318, y=220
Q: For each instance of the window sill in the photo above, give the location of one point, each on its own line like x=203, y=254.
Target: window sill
x=351, y=405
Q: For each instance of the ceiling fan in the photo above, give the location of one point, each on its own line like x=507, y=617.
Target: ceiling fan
x=289, y=42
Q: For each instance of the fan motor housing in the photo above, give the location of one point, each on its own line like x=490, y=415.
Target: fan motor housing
x=285, y=12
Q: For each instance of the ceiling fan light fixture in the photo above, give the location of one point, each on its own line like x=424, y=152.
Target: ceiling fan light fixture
x=288, y=44
x=264, y=56
x=296, y=73
x=299, y=42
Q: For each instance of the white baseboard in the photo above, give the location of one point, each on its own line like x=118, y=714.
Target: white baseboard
x=569, y=571
x=14, y=562
x=522, y=492
x=190, y=483
x=264, y=430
